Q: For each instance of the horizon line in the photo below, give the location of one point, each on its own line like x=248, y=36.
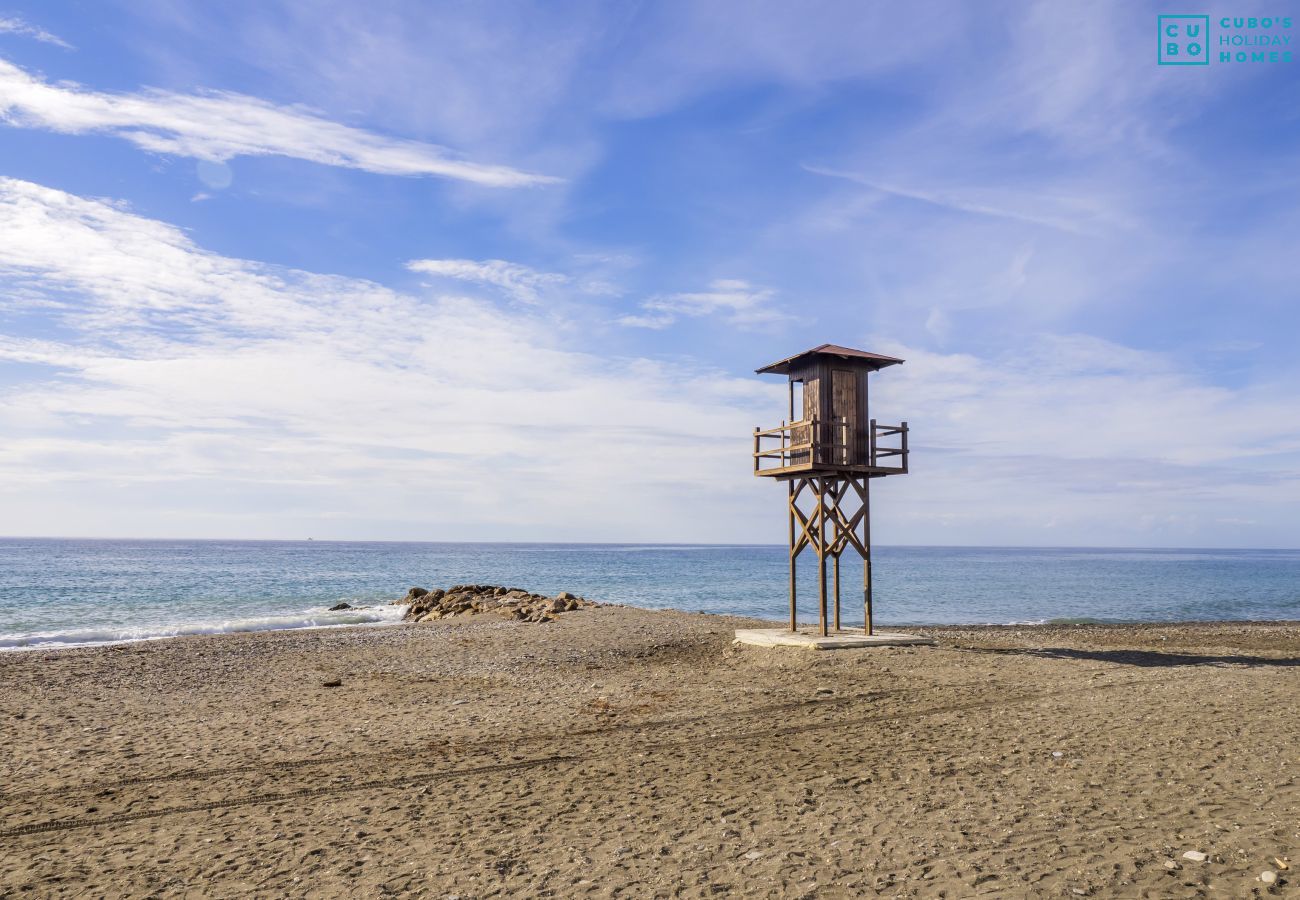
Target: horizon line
x=651, y=543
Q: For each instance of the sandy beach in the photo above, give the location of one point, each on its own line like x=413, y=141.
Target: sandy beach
x=621, y=752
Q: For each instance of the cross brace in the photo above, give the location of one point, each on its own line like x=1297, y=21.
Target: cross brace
x=840, y=518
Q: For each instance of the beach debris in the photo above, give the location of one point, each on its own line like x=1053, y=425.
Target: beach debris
x=1057, y=754
x=333, y=682
x=473, y=599
x=1195, y=856
x=338, y=606
x=1280, y=863
x=1268, y=876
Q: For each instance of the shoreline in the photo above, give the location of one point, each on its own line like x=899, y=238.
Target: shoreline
x=929, y=630
x=210, y=629
x=619, y=750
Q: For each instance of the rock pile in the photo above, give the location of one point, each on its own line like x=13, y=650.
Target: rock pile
x=470, y=599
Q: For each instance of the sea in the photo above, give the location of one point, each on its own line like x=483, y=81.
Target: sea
x=58, y=593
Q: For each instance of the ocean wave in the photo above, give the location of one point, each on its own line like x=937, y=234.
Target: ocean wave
x=101, y=635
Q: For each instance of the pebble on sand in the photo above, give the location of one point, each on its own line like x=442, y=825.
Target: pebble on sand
x=333, y=682
x=1195, y=856
x=1268, y=876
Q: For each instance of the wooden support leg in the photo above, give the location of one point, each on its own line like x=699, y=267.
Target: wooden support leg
x=794, y=616
x=821, y=554
x=837, y=591
x=866, y=592
x=866, y=543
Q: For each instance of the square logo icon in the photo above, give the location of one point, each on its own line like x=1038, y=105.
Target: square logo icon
x=1183, y=40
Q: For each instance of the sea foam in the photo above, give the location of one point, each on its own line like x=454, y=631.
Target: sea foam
x=99, y=636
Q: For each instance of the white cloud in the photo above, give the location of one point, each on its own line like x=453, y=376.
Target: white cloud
x=737, y=302
x=1076, y=440
x=185, y=392
x=939, y=325
x=219, y=126
x=519, y=282
x=15, y=25
x=653, y=322
x=1076, y=397
x=175, y=391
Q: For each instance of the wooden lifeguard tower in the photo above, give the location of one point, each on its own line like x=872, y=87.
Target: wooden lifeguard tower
x=828, y=458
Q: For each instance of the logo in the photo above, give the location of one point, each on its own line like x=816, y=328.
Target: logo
x=1183, y=40
x=1186, y=40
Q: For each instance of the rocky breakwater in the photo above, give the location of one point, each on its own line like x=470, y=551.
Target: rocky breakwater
x=473, y=599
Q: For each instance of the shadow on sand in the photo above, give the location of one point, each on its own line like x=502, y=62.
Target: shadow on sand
x=1144, y=658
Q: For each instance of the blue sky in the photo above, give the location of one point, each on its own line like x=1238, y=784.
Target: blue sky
x=503, y=271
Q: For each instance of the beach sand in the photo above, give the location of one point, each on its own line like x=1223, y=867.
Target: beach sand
x=620, y=752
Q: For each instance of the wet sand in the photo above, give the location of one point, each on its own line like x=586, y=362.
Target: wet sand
x=619, y=752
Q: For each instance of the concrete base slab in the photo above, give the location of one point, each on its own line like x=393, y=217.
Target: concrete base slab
x=811, y=638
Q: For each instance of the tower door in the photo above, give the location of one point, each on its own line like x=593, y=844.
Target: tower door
x=843, y=427
x=806, y=434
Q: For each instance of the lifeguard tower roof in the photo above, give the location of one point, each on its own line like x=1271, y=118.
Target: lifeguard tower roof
x=873, y=360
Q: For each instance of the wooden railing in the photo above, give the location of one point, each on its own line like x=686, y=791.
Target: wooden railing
x=794, y=445
x=876, y=452
x=809, y=442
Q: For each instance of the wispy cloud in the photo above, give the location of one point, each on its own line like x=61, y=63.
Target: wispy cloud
x=225, y=396
x=518, y=282
x=288, y=399
x=1076, y=215
x=15, y=25
x=978, y=208
x=219, y=126
x=737, y=302
x=1072, y=439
